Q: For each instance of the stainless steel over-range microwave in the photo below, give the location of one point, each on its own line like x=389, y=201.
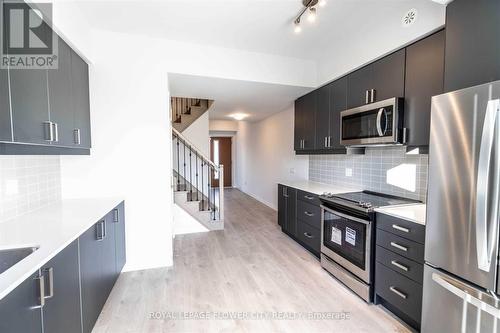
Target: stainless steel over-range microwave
x=379, y=123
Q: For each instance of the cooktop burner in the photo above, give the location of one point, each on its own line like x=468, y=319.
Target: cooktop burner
x=365, y=201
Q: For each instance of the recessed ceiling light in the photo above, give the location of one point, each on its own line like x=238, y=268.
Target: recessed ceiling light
x=322, y=3
x=312, y=14
x=238, y=116
x=297, y=28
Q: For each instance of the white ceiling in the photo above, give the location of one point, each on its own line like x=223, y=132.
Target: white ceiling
x=264, y=26
x=258, y=100
x=254, y=25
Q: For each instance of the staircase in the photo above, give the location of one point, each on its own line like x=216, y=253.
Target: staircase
x=186, y=110
x=193, y=176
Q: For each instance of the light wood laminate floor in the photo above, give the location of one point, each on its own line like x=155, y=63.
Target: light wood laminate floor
x=249, y=269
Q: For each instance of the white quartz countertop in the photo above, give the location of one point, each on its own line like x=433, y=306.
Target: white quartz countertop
x=414, y=212
x=51, y=229
x=317, y=188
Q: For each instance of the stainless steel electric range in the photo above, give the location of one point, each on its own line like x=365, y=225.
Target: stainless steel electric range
x=347, y=236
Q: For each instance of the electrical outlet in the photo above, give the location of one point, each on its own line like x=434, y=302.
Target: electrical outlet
x=348, y=172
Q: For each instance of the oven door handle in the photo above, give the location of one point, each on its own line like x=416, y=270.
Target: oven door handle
x=348, y=217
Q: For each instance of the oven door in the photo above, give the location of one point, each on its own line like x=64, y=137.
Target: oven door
x=347, y=240
x=376, y=123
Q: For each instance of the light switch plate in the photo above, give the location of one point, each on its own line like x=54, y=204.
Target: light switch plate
x=348, y=172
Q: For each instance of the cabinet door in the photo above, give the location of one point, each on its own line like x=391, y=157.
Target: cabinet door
x=338, y=103
x=61, y=108
x=119, y=223
x=81, y=101
x=424, y=79
x=91, y=272
x=5, y=129
x=472, y=43
x=18, y=312
x=61, y=313
x=281, y=206
x=309, y=121
x=108, y=255
x=299, y=123
x=389, y=76
x=291, y=211
x=323, y=117
x=359, y=82
x=29, y=105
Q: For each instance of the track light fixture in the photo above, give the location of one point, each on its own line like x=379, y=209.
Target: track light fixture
x=311, y=17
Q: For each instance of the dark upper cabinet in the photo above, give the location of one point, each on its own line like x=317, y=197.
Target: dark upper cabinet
x=61, y=312
x=472, y=43
x=30, y=105
x=5, y=129
x=80, y=101
x=385, y=78
x=424, y=79
x=389, y=76
x=305, y=122
x=119, y=224
x=20, y=311
x=323, y=117
x=338, y=103
x=61, y=109
x=359, y=85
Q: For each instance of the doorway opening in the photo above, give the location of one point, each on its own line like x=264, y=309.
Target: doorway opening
x=221, y=153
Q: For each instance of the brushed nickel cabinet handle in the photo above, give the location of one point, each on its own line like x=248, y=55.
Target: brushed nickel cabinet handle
x=308, y=235
x=41, y=289
x=372, y=95
x=308, y=197
x=367, y=97
x=400, y=266
x=397, y=292
x=400, y=228
x=77, y=139
x=309, y=214
x=50, y=272
x=400, y=247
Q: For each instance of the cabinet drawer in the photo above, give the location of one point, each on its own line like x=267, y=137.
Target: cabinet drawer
x=308, y=197
x=400, y=245
x=406, y=229
x=309, y=213
x=401, y=292
x=400, y=264
x=310, y=236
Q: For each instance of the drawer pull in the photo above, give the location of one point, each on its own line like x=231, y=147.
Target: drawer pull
x=399, y=247
x=308, y=235
x=309, y=214
x=397, y=292
x=398, y=265
x=400, y=228
x=308, y=197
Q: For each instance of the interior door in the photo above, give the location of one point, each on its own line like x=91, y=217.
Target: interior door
x=462, y=205
x=220, y=153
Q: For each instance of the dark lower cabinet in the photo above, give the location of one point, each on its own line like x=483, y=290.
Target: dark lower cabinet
x=399, y=267
x=472, y=43
x=20, y=310
x=287, y=210
x=424, y=79
x=61, y=312
x=119, y=224
x=5, y=129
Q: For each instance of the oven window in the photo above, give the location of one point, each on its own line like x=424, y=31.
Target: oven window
x=364, y=125
x=346, y=238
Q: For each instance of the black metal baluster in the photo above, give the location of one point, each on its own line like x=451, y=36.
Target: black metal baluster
x=197, y=185
x=213, y=189
x=185, y=184
x=190, y=175
x=178, y=165
x=208, y=186
x=219, y=195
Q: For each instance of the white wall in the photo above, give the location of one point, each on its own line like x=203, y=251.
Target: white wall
x=197, y=134
x=265, y=156
x=223, y=125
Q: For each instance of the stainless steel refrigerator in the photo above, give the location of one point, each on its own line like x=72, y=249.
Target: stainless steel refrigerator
x=461, y=275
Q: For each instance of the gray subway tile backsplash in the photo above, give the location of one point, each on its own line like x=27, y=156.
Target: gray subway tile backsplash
x=382, y=169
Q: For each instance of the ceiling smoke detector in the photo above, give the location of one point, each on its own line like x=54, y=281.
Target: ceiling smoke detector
x=409, y=18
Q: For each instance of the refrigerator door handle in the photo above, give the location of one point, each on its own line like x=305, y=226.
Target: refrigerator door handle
x=469, y=295
x=485, y=240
